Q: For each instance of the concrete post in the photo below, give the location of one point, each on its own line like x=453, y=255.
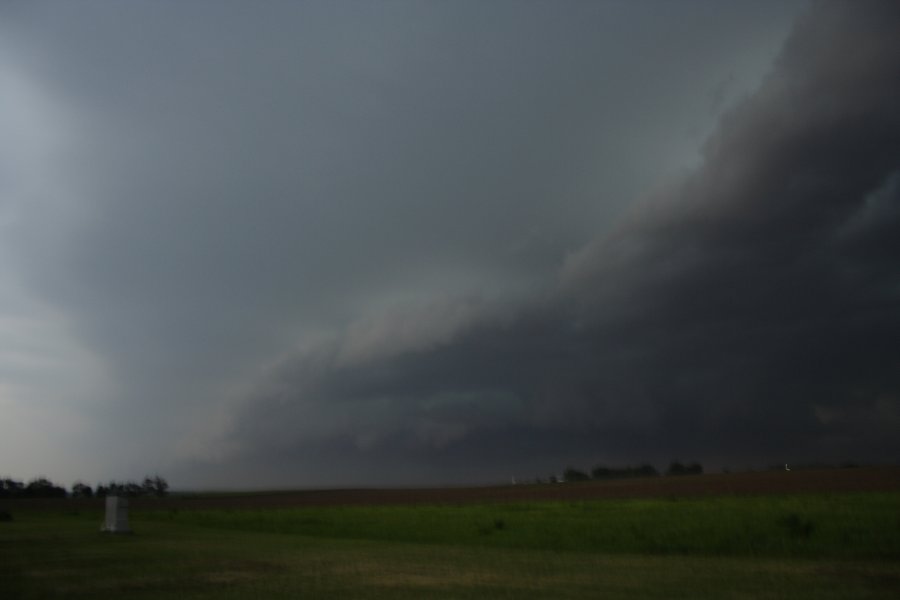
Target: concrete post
x=116, y=515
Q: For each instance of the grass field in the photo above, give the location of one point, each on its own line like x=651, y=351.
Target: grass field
x=822, y=545
x=864, y=526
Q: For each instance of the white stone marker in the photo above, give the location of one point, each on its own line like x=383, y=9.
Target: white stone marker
x=116, y=515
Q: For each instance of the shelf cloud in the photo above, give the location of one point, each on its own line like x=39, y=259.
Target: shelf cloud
x=400, y=243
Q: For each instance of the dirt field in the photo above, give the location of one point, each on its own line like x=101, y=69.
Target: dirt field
x=766, y=482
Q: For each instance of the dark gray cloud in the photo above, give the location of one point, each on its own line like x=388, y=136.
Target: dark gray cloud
x=748, y=312
x=352, y=241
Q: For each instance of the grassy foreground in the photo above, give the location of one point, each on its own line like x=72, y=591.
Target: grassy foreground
x=816, y=546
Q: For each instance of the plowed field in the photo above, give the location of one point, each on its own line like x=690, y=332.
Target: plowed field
x=756, y=483
x=862, y=479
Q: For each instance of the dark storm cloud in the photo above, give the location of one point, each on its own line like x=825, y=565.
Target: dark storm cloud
x=771, y=319
x=189, y=189
x=749, y=312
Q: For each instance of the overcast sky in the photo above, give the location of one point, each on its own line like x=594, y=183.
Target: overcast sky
x=421, y=242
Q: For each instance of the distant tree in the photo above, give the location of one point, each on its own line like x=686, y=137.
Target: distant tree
x=115, y=488
x=676, y=468
x=155, y=486
x=10, y=488
x=601, y=472
x=604, y=472
x=573, y=474
x=41, y=487
x=647, y=470
x=160, y=486
x=133, y=489
x=150, y=486
x=130, y=489
x=81, y=490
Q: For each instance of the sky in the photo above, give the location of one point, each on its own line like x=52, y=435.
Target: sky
x=344, y=243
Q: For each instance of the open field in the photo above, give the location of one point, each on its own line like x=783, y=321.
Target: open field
x=809, y=543
x=867, y=479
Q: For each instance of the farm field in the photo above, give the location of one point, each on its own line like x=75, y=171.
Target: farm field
x=812, y=543
x=866, y=479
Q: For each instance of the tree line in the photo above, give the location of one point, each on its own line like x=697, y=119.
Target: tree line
x=41, y=487
x=603, y=472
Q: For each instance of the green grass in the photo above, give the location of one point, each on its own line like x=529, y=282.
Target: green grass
x=864, y=526
x=817, y=546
